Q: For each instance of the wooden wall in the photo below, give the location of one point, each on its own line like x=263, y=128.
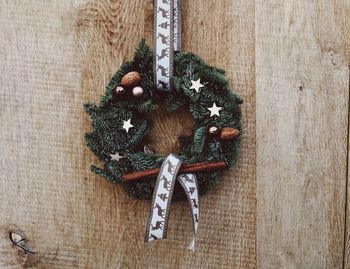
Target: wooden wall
x=283, y=206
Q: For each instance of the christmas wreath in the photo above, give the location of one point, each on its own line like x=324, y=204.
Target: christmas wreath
x=120, y=122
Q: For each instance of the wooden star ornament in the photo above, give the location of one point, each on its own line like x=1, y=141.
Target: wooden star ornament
x=196, y=85
x=127, y=125
x=116, y=157
x=214, y=110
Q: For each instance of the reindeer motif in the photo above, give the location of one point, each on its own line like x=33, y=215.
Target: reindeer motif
x=163, y=196
x=187, y=178
x=161, y=212
x=166, y=183
x=163, y=70
x=165, y=39
x=164, y=25
x=166, y=2
x=165, y=13
x=159, y=225
x=165, y=53
x=153, y=237
x=171, y=167
x=192, y=190
x=195, y=216
x=194, y=203
x=163, y=84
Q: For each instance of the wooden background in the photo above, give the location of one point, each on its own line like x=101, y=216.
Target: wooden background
x=283, y=206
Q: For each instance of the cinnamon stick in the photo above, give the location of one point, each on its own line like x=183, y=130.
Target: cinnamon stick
x=186, y=168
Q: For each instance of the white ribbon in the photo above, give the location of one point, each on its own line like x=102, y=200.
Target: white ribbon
x=167, y=39
x=190, y=186
x=177, y=25
x=158, y=221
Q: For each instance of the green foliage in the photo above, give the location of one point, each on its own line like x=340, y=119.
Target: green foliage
x=108, y=137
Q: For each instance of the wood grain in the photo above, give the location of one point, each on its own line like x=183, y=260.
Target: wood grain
x=55, y=56
x=302, y=93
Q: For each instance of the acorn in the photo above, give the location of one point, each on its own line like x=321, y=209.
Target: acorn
x=137, y=91
x=213, y=131
x=131, y=79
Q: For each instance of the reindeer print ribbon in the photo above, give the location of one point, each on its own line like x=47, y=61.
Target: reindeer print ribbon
x=177, y=25
x=158, y=221
x=167, y=38
x=189, y=184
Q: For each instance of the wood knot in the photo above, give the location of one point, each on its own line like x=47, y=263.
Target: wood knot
x=19, y=241
x=16, y=248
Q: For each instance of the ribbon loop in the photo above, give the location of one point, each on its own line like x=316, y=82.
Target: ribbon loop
x=167, y=39
x=158, y=221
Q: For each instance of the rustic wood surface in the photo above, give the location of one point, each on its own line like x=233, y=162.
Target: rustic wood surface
x=283, y=205
x=302, y=104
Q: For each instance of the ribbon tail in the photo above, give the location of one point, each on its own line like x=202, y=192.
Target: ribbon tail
x=190, y=186
x=191, y=246
x=158, y=220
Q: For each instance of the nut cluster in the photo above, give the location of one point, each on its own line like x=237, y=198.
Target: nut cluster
x=128, y=83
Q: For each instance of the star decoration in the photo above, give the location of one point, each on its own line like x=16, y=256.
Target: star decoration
x=196, y=85
x=127, y=125
x=116, y=157
x=214, y=110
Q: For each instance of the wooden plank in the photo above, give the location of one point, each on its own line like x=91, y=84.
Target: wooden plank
x=302, y=79
x=343, y=23
x=56, y=55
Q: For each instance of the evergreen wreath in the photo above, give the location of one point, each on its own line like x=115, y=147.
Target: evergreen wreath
x=120, y=123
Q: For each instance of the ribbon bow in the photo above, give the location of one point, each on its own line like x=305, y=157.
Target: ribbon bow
x=158, y=221
x=167, y=39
